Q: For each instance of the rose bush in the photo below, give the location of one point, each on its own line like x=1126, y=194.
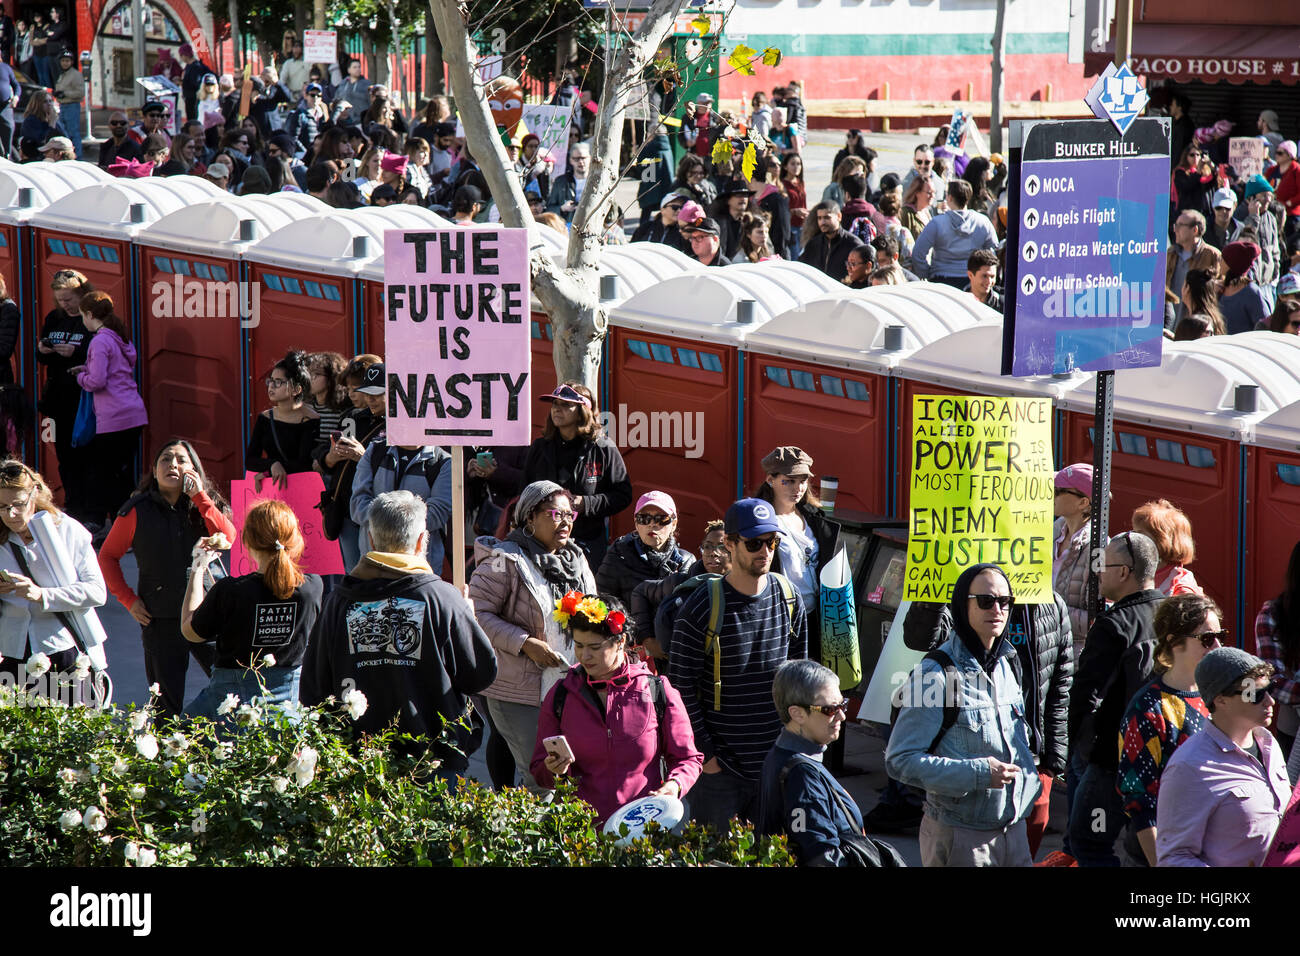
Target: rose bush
x=275, y=791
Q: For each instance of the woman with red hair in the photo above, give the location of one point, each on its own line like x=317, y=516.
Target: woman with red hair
x=1168, y=527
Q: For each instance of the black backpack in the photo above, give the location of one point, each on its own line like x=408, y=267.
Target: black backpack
x=657, y=697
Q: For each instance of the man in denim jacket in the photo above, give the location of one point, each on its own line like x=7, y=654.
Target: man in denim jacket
x=979, y=775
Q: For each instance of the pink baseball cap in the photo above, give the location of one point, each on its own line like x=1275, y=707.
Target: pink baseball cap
x=1076, y=477
x=659, y=500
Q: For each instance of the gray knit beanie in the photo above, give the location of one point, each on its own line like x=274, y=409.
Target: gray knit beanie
x=1221, y=669
x=532, y=496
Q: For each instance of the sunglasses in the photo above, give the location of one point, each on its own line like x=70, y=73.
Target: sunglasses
x=1067, y=491
x=755, y=545
x=661, y=521
x=1210, y=638
x=117, y=123
x=924, y=162
x=986, y=601
x=830, y=710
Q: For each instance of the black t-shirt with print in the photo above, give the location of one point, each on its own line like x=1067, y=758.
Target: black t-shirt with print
x=248, y=622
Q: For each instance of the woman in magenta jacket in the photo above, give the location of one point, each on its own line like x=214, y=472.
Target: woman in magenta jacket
x=119, y=410
x=608, y=716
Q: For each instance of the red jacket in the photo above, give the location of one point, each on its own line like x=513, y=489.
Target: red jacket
x=616, y=753
x=1288, y=189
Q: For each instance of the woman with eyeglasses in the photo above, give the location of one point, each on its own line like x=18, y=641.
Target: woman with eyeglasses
x=62, y=346
x=648, y=553
x=34, y=626
x=515, y=587
x=810, y=539
x=120, y=415
x=1277, y=641
x=798, y=797
x=977, y=769
x=1164, y=713
x=285, y=434
x=174, y=506
x=1072, y=534
x=627, y=730
x=574, y=453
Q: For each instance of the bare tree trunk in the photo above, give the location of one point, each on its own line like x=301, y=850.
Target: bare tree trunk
x=300, y=17
x=433, y=68
x=569, y=295
x=232, y=14
x=566, y=48
x=318, y=15
x=999, y=52
x=399, y=86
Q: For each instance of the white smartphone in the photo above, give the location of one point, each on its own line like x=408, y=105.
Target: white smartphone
x=558, y=747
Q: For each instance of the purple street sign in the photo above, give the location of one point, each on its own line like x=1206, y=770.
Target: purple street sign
x=1089, y=246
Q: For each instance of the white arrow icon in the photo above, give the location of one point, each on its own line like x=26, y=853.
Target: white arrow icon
x=1030, y=252
x=1031, y=218
x=1032, y=185
x=1028, y=284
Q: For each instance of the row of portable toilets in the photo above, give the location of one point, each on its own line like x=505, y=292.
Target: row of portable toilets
x=704, y=370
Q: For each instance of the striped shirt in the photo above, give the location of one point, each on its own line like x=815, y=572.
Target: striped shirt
x=329, y=419
x=756, y=637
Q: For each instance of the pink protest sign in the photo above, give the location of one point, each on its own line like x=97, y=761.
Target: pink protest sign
x=320, y=555
x=1285, y=850
x=456, y=336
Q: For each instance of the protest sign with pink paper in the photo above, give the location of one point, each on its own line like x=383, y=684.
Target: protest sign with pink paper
x=1285, y=849
x=457, y=347
x=320, y=556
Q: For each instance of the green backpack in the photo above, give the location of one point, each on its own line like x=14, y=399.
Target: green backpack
x=716, y=607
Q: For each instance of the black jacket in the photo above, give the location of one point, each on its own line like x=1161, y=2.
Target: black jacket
x=655, y=231
x=163, y=545
x=648, y=597
x=830, y=256
x=592, y=469
x=777, y=206
x=1116, y=662
x=827, y=534
x=409, y=642
x=1045, y=685
x=110, y=151
x=627, y=563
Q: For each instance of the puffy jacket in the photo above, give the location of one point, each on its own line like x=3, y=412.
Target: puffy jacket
x=648, y=598
x=1116, y=662
x=947, y=241
x=1071, y=581
x=990, y=723
x=627, y=563
x=376, y=475
x=616, y=748
x=107, y=374
x=1046, y=669
x=511, y=606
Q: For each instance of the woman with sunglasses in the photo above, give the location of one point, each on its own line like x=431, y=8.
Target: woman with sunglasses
x=798, y=796
x=655, y=603
x=515, y=586
x=574, y=453
x=648, y=553
x=174, y=506
x=606, y=710
x=1072, y=508
x=977, y=771
x=286, y=433
x=1164, y=713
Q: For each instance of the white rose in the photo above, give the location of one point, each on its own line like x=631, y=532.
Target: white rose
x=147, y=746
x=248, y=715
x=155, y=690
x=194, y=781
x=82, y=666
x=268, y=660
x=69, y=820
x=67, y=775
x=303, y=765
x=119, y=766
x=176, y=744
x=279, y=784
x=227, y=705
x=136, y=792
x=139, y=720
x=94, y=819
x=200, y=822
x=93, y=770
x=222, y=749
x=146, y=857
x=131, y=852
x=355, y=702
x=38, y=664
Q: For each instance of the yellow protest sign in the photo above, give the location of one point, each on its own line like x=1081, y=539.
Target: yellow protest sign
x=982, y=491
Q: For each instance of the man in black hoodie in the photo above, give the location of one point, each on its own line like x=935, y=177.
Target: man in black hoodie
x=1115, y=663
x=829, y=249
x=400, y=635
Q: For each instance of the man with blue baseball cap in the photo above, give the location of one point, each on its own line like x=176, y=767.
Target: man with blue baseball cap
x=731, y=636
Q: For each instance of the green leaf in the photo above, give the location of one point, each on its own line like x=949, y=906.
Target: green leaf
x=741, y=60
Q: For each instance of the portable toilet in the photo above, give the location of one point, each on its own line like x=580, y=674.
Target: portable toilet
x=966, y=362
x=818, y=376
x=92, y=230
x=1178, y=435
x=677, y=379
x=194, y=305
x=1273, y=508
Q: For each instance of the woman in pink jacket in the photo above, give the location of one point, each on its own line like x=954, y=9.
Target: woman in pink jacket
x=605, y=709
x=119, y=410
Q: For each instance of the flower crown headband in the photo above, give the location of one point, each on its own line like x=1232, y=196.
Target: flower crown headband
x=593, y=609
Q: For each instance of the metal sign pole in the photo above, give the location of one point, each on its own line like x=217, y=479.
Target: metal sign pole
x=1103, y=423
